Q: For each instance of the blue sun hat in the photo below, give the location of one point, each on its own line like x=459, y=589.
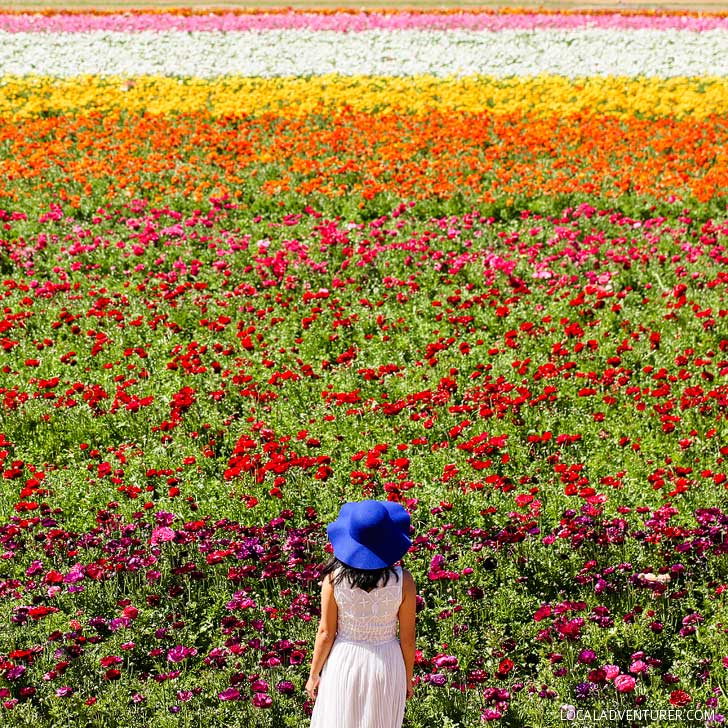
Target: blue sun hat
x=370, y=534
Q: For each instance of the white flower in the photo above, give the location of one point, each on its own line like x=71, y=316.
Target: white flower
x=301, y=52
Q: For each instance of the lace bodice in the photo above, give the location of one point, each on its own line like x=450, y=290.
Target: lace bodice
x=368, y=616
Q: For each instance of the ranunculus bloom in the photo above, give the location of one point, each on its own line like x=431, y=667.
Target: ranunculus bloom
x=449, y=661
x=262, y=700
x=611, y=671
x=286, y=687
x=624, y=683
x=15, y=672
x=489, y=714
x=164, y=533
x=130, y=612
x=229, y=694
x=679, y=698
x=180, y=652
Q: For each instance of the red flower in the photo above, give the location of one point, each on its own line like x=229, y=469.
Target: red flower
x=504, y=668
x=542, y=612
x=679, y=698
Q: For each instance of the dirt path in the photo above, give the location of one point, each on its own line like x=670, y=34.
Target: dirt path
x=673, y=5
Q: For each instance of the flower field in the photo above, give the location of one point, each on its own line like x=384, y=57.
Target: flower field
x=255, y=264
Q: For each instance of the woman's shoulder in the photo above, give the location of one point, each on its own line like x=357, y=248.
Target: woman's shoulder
x=407, y=578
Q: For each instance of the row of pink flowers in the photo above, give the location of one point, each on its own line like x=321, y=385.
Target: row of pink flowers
x=132, y=21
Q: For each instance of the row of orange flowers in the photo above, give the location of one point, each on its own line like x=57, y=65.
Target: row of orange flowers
x=440, y=154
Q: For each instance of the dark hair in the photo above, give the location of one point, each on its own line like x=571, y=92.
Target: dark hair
x=366, y=579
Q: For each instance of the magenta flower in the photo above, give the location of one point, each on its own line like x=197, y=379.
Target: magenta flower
x=262, y=700
x=586, y=657
x=489, y=714
x=180, y=653
x=75, y=574
x=229, y=694
x=445, y=661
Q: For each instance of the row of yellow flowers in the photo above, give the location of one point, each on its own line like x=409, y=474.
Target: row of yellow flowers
x=540, y=96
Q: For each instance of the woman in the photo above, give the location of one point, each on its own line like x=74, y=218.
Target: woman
x=361, y=673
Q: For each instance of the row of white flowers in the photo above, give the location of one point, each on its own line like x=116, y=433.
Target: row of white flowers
x=570, y=53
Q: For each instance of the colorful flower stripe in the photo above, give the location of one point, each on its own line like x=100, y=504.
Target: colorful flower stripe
x=537, y=97
x=352, y=21
x=508, y=53
x=359, y=157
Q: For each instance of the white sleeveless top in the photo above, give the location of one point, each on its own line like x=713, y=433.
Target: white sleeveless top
x=369, y=617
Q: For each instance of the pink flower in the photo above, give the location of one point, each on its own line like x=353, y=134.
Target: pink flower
x=624, y=683
x=611, y=671
x=180, y=653
x=638, y=666
x=163, y=533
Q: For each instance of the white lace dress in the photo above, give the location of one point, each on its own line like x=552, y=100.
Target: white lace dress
x=363, y=683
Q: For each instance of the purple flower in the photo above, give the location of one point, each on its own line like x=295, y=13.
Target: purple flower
x=437, y=679
x=64, y=691
x=259, y=686
x=587, y=657
x=15, y=673
x=229, y=694
x=583, y=690
x=286, y=687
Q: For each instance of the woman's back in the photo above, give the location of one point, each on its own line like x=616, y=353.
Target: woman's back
x=368, y=616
